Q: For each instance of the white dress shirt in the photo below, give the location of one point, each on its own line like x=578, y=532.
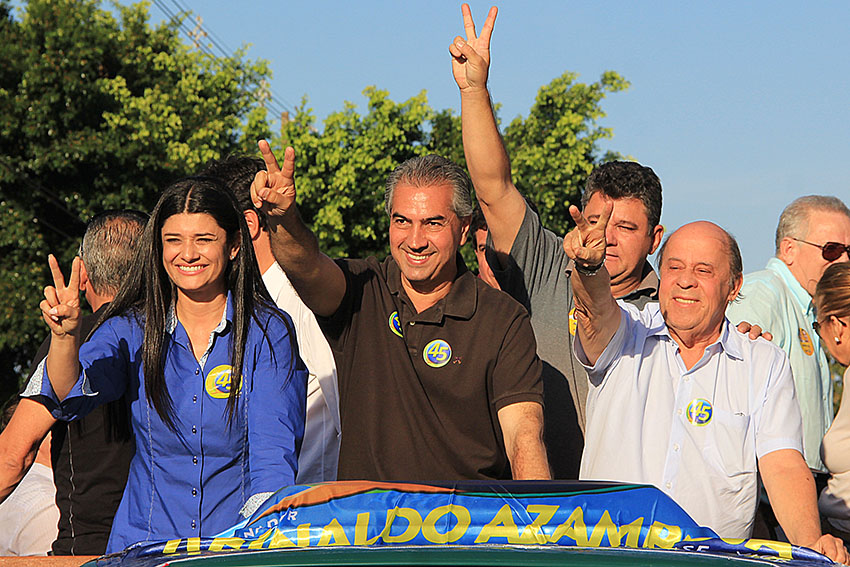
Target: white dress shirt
x=319, y=455
x=695, y=434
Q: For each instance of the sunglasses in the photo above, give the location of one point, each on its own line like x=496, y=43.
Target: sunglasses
x=831, y=251
x=817, y=326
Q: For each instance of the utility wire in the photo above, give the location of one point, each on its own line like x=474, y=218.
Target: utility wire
x=274, y=102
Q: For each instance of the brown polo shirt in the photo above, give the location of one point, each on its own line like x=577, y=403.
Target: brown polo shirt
x=420, y=392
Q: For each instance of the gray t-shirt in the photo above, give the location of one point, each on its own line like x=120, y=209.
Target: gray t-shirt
x=536, y=275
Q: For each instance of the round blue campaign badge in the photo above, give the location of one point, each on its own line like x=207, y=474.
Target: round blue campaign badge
x=395, y=323
x=437, y=353
x=217, y=383
x=699, y=411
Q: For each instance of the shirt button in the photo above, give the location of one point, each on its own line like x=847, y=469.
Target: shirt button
x=194, y=429
x=668, y=485
x=195, y=399
x=679, y=411
x=676, y=447
x=194, y=492
x=687, y=378
x=193, y=524
x=197, y=371
x=194, y=460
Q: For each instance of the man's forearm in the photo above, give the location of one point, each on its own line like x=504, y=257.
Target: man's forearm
x=19, y=443
x=490, y=169
x=791, y=490
x=318, y=281
x=597, y=312
x=522, y=429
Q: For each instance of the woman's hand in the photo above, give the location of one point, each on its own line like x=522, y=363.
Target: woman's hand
x=61, y=306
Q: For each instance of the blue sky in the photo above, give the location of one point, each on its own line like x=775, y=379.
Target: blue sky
x=739, y=107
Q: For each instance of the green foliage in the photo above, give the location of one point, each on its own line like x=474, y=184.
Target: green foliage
x=99, y=111
x=341, y=170
x=102, y=111
x=555, y=148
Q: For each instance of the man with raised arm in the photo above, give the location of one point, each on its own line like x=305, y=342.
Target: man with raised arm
x=438, y=376
x=682, y=400
x=317, y=461
x=523, y=245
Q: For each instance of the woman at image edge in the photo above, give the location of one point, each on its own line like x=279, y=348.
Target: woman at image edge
x=211, y=368
x=832, y=301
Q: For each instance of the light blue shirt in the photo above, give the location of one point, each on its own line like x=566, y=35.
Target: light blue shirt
x=775, y=300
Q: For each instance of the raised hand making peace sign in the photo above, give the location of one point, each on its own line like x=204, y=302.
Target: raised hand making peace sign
x=586, y=243
x=273, y=190
x=471, y=56
x=61, y=306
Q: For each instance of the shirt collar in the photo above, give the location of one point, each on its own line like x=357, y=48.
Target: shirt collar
x=460, y=302
x=729, y=340
x=648, y=284
x=226, y=317
x=800, y=294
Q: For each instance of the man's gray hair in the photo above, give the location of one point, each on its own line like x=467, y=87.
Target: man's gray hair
x=108, y=247
x=794, y=220
x=431, y=169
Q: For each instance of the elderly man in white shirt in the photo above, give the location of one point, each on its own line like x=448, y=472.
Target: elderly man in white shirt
x=679, y=399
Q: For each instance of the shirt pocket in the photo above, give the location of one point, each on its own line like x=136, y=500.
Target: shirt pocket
x=729, y=448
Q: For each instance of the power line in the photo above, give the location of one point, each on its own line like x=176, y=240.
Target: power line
x=273, y=101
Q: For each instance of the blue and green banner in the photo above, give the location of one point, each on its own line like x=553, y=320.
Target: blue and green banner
x=553, y=514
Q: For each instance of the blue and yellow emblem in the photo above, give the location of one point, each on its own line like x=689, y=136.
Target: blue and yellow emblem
x=806, y=342
x=437, y=353
x=395, y=323
x=217, y=383
x=699, y=411
x=573, y=322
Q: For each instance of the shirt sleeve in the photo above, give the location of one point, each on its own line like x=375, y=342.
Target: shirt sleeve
x=336, y=327
x=779, y=424
x=536, y=260
x=757, y=305
x=105, y=366
x=275, y=411
x=612, y=353
x=517, y=376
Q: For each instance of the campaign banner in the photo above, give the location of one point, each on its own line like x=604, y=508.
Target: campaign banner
x=375, y=514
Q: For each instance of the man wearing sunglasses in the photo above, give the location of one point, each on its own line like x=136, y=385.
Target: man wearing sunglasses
x=813, y=232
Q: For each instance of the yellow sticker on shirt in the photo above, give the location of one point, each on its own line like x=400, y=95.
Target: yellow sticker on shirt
x=217, y=383
x=573, y=322
x=806, y=342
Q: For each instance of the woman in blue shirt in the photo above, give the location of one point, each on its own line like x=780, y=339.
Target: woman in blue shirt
x=210, y=367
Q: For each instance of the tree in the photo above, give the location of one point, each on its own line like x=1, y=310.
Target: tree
x=98, y=112
x=556, y=147
x=342, y=169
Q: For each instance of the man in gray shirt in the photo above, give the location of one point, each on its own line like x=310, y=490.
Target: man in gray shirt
x=533, y=263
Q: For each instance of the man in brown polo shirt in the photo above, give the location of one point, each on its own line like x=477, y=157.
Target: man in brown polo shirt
x=438, y=376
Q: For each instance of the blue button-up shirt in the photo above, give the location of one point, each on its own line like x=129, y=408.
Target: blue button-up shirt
x=775, y=300
x=194, y=481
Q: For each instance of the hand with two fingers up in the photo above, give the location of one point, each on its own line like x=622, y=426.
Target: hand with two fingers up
x=471, y=56
x=585, y=244
x=273, y=190
x=60, y=308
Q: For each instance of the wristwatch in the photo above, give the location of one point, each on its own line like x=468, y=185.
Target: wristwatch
x=591, y=270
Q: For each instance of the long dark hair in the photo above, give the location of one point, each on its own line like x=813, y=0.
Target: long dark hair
x=148, y=293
